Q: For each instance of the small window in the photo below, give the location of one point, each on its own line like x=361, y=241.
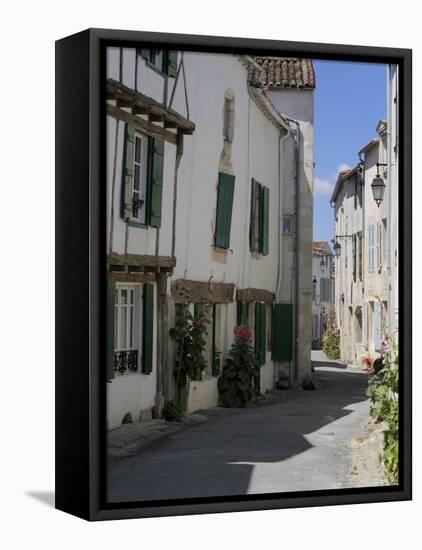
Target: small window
x=228, y=125
x=126, y=318
x=142, y=178
x=163, y=61
x=155, y=58
x=288, y=224
x=139, y=179
x=259, y=222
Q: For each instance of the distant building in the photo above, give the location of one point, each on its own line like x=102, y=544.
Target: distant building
x=367, y=267
x=348, y=204
x=323, y=288
x=376, y=265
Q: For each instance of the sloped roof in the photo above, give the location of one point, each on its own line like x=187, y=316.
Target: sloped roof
x=368, y=145
x=342, y=176
x=283, y=72
x=321, y=248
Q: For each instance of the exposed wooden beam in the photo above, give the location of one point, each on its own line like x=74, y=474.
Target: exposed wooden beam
x=142, y=104
x=141, y=124
x=254, y=295
x=127, y=277
x=196, y=291
x=141, y=260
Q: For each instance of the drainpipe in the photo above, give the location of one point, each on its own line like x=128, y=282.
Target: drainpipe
x=295, y=367
x=390, y=197
x=364, y=316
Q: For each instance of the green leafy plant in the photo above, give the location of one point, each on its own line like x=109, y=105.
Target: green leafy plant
x=383, y=388
x=189, y=334
x=172, y=411
x=331, y=338
x=239, y=382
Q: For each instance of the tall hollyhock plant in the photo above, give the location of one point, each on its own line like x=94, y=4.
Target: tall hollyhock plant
x=239, y=384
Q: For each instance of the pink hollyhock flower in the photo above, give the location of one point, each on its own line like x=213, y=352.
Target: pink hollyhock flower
x=244, y=332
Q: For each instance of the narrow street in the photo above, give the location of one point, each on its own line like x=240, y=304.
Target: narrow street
x=304, y=442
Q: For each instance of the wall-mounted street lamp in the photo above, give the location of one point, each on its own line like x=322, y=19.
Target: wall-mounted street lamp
x=322, y=264
x=337, y=249
x=378, y=185
x=337, y=245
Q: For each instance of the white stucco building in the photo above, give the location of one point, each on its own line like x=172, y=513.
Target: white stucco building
x=206, y=170
x=392, y=192
x=323, y=289
x=367, y=268
x=348, y=202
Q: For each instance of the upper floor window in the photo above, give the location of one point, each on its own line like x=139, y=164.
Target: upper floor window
x=223, y=220
x=288, y=224
x=163, y=61
x=142, y=178
x=139, y=178
x=228, y=125
x=259, y=223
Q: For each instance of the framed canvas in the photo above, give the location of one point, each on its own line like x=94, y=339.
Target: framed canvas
x=233, y=274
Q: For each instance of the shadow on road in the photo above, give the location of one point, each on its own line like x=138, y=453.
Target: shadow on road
x=204, y=461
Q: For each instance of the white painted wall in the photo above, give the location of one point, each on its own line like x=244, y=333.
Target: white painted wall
x=132, y=392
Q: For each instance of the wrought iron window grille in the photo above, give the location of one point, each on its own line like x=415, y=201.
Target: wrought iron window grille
x=126, y=361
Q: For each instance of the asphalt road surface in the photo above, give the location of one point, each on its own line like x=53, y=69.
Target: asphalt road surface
x=299, y=443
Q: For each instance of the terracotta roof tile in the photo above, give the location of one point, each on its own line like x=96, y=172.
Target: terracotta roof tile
x=283, y=72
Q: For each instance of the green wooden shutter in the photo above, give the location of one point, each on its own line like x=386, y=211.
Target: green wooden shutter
x=254, y=221
x=155, y=183
x=283, y=332
x=198, y=310
x=171, y=63
x=260, y=331
x=264, y=220
x=148, y=328
x=242, y=313
x=224, y=210
x=111, y=286
x=127, y=172
x=216, y=352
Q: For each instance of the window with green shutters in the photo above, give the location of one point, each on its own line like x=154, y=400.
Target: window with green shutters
x=242, y=313
x=265, y=209
x=127, y=172
x=148, y=329
x=142, y=178
x=110, y=329
x=259, y=222
x=282, y=332
x=155, y=188
x=224, y=210
x=261, y=331
x=163, y=61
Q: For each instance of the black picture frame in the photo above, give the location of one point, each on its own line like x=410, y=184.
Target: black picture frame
x=80, y=278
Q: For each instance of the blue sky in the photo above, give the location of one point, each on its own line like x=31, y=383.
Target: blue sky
x=350, y=99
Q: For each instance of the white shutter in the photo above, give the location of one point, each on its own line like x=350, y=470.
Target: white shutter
x=377, y=325
x=365, y=324
x=378, y=246
x=370, y=248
